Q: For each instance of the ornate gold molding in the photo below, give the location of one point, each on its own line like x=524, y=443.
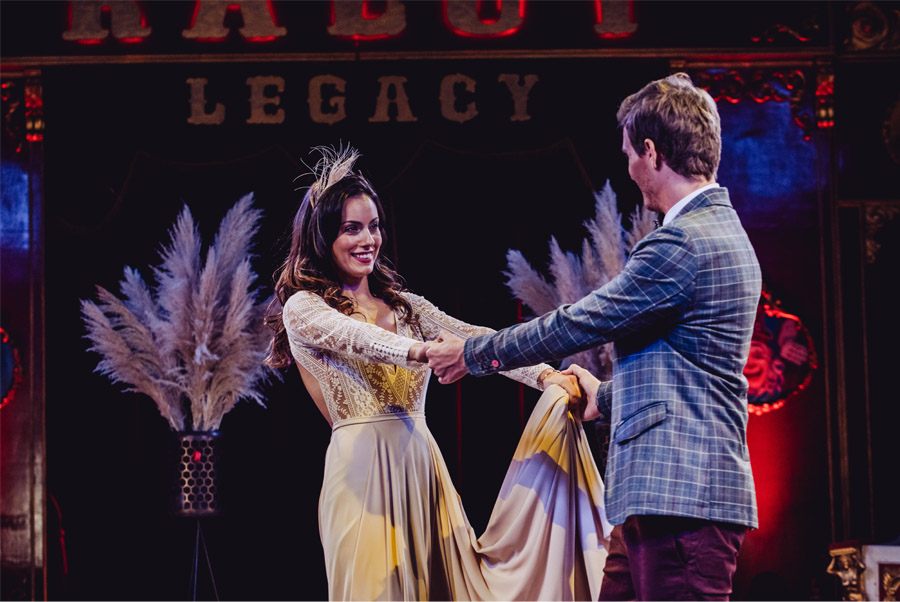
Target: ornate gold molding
x=791, y=83
x=846, y=564
x=873, y=27
x=889, y=581
x=877, y=215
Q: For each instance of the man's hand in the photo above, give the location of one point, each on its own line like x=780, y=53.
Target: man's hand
x=446, y=358
x=589, y=383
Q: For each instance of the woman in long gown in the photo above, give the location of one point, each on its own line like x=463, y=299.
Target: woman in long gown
x=391, y=522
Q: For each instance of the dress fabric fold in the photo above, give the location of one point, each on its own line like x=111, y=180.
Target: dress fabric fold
x=394, y=528
x=391, y=522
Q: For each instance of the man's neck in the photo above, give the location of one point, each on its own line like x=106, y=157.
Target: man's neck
x=679, y=187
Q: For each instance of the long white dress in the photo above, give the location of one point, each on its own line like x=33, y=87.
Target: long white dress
x=391, y=522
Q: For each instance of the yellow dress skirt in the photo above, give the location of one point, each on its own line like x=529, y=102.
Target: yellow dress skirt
x=393, y=526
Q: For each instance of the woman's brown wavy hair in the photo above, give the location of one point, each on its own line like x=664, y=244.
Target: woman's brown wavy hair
x=310, y=265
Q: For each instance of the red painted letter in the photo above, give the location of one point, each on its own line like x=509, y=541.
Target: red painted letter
x=208, y=22
x=351, y=19
x=126, y=22
x=615, y=19
x=463, y=18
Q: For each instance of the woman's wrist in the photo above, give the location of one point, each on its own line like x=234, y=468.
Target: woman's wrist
x=416, y=353
x=543, y=376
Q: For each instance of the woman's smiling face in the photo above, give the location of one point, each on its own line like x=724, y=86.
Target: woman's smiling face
x=358, y=241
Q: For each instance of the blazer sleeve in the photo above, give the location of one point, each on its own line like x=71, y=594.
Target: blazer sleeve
x=604, y=401
x=433, y=320
x=312, y=323
x=656, y=284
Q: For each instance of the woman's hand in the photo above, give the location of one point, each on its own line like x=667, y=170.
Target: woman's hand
x=417, y=353
x=568, y=382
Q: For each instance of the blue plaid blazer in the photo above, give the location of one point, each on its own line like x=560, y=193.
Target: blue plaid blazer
x=681, y=314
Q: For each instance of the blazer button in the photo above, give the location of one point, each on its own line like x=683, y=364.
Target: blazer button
x=495, y=363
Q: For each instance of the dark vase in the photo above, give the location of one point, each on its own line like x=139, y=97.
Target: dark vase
x=198, y=486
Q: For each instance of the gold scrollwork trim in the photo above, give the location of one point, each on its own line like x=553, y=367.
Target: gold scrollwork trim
x=889, y=581
x=877, y=216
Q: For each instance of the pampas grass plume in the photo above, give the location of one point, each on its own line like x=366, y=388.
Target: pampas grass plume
x=196, y=340
x=572, y=276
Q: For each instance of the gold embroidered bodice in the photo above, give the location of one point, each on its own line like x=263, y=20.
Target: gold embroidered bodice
x=362, y=368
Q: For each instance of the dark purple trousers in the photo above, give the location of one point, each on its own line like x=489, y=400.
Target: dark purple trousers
x=671, y=558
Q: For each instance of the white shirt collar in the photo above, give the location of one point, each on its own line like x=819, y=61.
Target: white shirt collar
x=677, y=207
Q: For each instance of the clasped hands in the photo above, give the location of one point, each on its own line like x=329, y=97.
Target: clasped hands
x=581, y=386
x=445, y=356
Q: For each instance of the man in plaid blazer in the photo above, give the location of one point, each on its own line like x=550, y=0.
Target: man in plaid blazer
x=681, y=313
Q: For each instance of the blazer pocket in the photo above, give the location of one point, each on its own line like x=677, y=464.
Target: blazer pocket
x=639, y=422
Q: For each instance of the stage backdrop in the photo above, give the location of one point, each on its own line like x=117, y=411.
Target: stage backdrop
x=122, y=158
x=472, y=155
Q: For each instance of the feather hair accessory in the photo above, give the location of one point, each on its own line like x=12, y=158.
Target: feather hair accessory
x=333, y=166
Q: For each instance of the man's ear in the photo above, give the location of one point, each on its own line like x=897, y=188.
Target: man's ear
x=651, y=153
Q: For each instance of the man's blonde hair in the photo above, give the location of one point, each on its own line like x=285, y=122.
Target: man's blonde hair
x=680, y=119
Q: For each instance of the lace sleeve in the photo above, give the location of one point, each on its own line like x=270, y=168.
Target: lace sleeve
x=310, y=322
x=434, y=320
